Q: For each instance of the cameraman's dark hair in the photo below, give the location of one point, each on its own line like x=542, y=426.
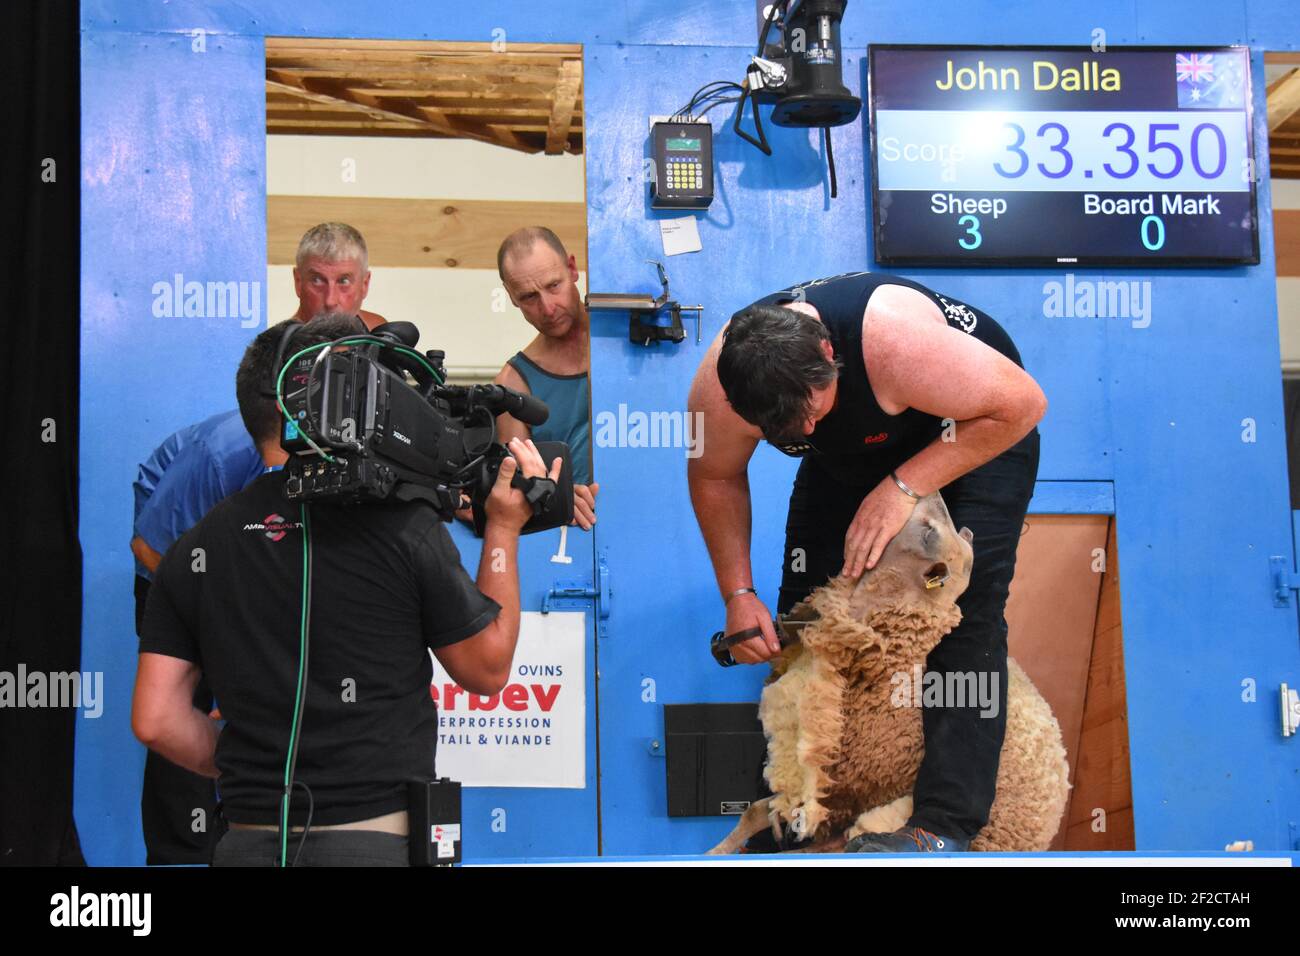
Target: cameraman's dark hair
x=257, y=372
x=771, y=359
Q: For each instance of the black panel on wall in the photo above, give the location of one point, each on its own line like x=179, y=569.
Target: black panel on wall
x=1291, y=405
x=40, y=589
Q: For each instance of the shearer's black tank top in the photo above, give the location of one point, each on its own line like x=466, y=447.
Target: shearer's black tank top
x=858, y=441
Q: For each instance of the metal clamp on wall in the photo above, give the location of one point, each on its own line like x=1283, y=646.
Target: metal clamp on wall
x=573, y=595
x=644, y=308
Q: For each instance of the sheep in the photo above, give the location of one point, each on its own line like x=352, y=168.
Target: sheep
x=844, y=747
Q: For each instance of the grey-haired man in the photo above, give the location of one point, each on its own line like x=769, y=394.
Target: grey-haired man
x=332, y=273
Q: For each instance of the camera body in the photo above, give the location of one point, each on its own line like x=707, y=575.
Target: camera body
x=357, y=430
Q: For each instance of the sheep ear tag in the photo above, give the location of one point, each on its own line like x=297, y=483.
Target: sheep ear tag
x=936, y=575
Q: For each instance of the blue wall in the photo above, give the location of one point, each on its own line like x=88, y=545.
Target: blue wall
x=1149, y=419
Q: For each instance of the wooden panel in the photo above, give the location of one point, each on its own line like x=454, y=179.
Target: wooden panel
x=1286, y=241
x=423, y=233
x=1051, y=615
x=1102, y=779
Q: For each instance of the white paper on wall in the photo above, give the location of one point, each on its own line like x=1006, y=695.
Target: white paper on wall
x=531, y=734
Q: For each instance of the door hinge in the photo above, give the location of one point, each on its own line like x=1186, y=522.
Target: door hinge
x=1285, y=580
x=567, y=594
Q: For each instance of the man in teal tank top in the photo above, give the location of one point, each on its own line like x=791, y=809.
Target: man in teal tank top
x=541, y=279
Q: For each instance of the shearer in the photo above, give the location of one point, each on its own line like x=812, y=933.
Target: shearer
x=887, y=391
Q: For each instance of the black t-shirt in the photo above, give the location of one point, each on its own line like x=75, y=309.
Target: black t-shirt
x=387, y=585
x=858, y=442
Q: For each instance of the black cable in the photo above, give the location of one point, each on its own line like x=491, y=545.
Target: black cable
x=717, y=96
x=767, y=24
x=700, y=96
x=747, y=92
x=311, y=809
x=761, y=142
x=708, y=89
x=720, y=102
x=830, y=161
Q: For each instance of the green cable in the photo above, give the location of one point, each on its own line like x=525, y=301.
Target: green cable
x=297, y=702
x=279, y=381
x=290, y=757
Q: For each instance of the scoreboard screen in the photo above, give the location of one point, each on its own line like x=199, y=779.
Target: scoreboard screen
x=1038, y=157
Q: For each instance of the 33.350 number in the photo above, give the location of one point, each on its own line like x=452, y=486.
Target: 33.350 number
x=1207, y=151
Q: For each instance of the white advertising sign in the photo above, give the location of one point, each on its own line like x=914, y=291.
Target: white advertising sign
x=531, y=734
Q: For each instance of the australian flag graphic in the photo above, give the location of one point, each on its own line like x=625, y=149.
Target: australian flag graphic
x=1211, y=81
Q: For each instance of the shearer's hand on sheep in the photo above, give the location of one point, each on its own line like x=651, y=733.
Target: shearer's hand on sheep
x=880, y=517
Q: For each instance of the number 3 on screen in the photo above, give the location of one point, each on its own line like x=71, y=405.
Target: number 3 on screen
x=972, y=225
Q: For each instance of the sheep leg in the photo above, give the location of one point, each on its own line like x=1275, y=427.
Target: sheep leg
x=882, y=819
x=753, y=820
x=832, y=844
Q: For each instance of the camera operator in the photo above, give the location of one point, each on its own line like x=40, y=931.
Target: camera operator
x=387, y=586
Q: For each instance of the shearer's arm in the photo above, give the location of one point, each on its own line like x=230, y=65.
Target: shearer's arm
x=932, y=367
x=916, y=360
x=718, y=479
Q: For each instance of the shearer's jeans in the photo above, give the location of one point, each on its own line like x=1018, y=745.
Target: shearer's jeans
x=955, y=785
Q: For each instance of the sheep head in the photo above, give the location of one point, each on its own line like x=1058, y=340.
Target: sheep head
x=927, y=564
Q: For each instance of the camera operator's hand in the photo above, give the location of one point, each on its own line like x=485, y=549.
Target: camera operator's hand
x=508, y=505
x=584, y=505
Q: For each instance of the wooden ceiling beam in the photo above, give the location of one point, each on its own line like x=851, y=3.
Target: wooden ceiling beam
x=1284, y=99
x=310, y=112
x=332, y=94
x=292, y=85
x=527, y=97
x=378, y=48
x=375, y=130
x=536, y=97
x=566, y=97
x=342, y=127
x=325, y=68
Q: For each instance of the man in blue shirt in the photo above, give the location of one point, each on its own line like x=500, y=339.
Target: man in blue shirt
x=192, y=470
x=186, y=475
